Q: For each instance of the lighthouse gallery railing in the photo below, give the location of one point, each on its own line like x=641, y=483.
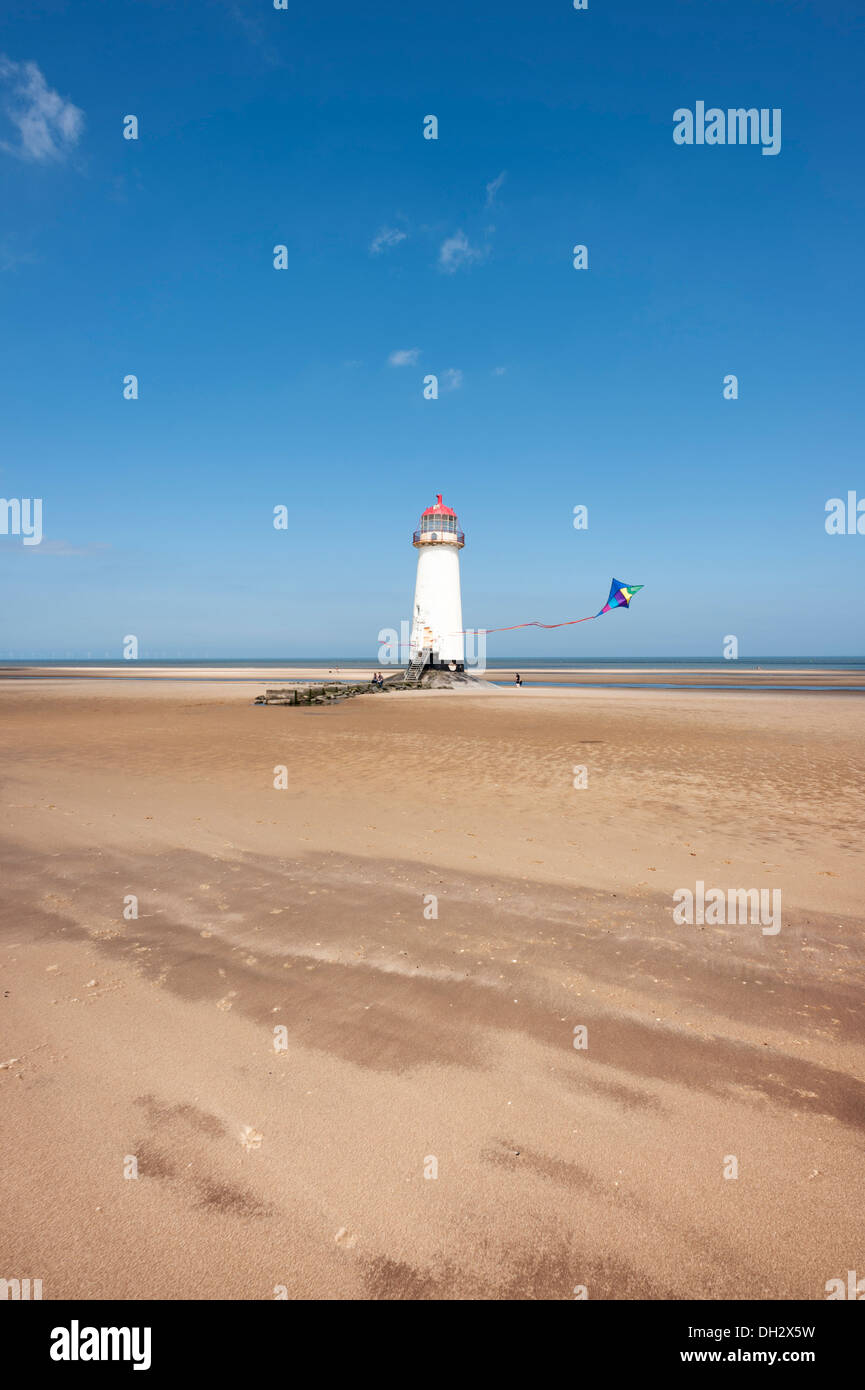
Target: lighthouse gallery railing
x=460, y=535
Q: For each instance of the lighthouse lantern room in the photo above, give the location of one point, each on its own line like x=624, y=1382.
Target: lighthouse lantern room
x=436, y=635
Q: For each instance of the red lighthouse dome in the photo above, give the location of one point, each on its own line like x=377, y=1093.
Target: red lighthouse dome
x=439, y=525
x=439, y=509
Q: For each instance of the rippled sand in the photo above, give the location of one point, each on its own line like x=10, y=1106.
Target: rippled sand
x=416, y=1042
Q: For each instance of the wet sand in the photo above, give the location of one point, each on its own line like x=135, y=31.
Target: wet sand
x=417, y=1042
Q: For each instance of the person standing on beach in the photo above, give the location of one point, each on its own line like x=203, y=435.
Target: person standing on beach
x=517, y=678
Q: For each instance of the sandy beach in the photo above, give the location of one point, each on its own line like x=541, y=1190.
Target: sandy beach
x=428, y=908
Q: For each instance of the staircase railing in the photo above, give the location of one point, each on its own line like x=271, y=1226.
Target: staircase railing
x=416, y=666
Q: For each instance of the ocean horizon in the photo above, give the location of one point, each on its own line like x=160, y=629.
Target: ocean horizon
x=525, y=663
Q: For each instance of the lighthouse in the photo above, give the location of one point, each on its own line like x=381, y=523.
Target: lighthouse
x=436, y=633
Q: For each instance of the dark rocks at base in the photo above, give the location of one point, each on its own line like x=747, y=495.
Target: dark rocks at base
x=434, y=680
x=332, y=694
x=313, y=694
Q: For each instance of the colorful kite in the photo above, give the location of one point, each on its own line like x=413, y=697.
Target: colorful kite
x=620, y=597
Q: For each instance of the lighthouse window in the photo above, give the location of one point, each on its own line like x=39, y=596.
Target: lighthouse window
x=438, y=523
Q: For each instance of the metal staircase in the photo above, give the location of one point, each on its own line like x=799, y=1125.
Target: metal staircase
x=416, y=667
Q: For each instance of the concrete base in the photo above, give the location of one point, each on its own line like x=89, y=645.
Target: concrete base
x=438, y=678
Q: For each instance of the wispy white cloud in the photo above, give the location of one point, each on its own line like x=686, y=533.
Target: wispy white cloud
x=257, y=31
x=404, y=357
x=48, y=127
x=10, y=259
x=385, y=239
x=499, y=371
x=493, y=188
x=457, y=251
x=453, y=379
x=56, y=548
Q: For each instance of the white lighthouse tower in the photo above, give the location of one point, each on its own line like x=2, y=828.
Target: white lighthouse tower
x=436, y=633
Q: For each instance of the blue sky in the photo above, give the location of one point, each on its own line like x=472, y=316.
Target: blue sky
x=260, y=387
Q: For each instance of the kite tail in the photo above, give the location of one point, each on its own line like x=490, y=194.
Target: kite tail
x=571, y=623
x=620, y=597
x=464, y=632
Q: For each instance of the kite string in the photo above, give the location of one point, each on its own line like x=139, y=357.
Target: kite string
x=464, y=632
x=620, y=597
